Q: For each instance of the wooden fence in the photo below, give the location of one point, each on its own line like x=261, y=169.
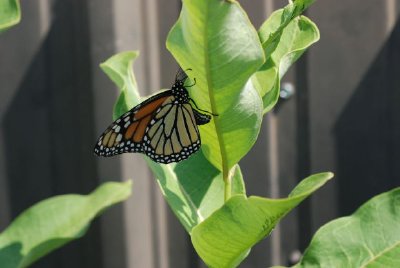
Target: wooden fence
x=54, y=101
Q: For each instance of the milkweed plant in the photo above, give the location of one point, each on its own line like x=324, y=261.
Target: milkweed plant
x=238, y=71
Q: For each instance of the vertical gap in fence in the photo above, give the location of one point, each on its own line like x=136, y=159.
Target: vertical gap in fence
x=274, y=188
x=391, y=14
x=303, y=148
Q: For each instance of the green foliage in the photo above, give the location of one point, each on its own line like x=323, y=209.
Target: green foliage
x=10, y=14
x=238, y=72
x=227, y=57
x=192, y=199
x=224, y=51
x=119, y=70
x=368, y=238
x=284, y=36
x=194, y=189
x=217, y=40
x=226, y=237
x=54, y=222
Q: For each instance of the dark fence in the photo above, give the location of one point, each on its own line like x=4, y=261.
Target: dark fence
x=54, y=101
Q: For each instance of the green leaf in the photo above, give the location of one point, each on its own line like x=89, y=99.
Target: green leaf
x=193, y=188
x=267, y=83
x=54, y=222
x=216, y=39
x=368, y=238
x=10, y=14
x=295, y=38
x=226, y=237
x=287, y=14
x=285, y=37
x=119, y=70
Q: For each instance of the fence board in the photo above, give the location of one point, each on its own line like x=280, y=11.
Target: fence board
x=350, y=41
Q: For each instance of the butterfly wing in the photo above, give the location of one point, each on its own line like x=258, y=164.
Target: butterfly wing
x=127, y=132
x=160, y=127
x=173, y=134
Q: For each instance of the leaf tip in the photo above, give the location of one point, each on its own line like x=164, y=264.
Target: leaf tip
x=329, y=175
x=121, y=190
x=130, y=54
x=128, y=184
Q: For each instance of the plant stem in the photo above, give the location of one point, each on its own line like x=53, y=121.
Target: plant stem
x=228, y=185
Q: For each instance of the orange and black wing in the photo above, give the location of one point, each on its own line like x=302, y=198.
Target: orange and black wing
x=127, y=133
x=172, y=134
x=160, y=127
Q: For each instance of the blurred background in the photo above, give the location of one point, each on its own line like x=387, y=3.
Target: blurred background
x=344, y=116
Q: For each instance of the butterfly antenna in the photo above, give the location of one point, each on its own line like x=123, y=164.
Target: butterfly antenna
x=197, y=107
x=181, y=74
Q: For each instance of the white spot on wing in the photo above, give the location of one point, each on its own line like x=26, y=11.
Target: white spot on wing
x=119, y=138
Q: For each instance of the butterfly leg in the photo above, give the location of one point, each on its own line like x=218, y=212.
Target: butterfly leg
x=197, y=107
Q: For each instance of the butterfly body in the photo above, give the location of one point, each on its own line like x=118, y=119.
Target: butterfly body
x=163, y=127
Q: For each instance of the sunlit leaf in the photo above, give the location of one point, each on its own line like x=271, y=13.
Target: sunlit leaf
x=368, y=238
x=285, y=37
x=216, y=39
x=10, y=14
x=54, y=222
x=226, y=237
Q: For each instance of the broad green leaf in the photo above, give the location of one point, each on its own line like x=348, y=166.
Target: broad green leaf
x=287, y=14
x=226, y=237
x=193, y=188
x=295, y=38
x=54, y=222
x=10, y=14
x=285, y=37
x=216, y=39
x=119, y=70
x=368, y=238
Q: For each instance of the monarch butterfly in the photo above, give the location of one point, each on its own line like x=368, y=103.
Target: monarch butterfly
x=163, y=127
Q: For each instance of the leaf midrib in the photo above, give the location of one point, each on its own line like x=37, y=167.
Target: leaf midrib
x=380, y=254
x=225, y=169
